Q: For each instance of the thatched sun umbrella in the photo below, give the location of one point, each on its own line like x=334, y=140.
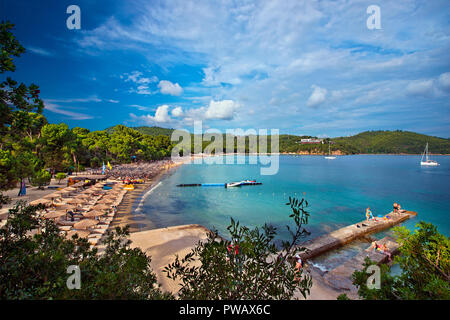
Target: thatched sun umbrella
x=101, y=206
x=76, y=201
x=80, y=233
x=54, y=214
x=53, y=195
x=41, y=201
x=85, y=223
x=64, y=206
x=94, y=213
x=83, y=196
x=106, y=201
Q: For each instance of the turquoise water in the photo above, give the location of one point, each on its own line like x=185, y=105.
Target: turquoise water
x=338, y=191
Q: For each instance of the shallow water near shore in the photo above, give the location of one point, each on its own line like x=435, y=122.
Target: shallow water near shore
x=338, y=192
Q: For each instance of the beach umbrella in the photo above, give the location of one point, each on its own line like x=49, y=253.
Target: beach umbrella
x=85, y=223
x=70, y=189
x=40, y=201
x=76, y=201
x=105, y=201
x=83, y=196
x=98, y=191
x=52, y=195
x=88, y=191
x=101, y=206
x=64, y=206
x=94, y=213
x=80, y=233
x=54, y=214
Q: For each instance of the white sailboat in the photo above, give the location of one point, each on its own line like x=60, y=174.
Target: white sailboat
x=427, y=162
x=329, y=157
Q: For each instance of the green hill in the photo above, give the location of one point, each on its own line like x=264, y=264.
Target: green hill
x=391, y=142
x=152, y=131
x=374, y=142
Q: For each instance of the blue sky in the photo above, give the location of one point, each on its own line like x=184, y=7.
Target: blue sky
x=303, y=67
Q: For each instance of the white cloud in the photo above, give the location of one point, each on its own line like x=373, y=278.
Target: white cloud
x=59, y=109
x=177, y=112
x=143, y=89
x=444, y=81
x=223, y=110
x=40, y=51
x=161, y=116
x=113, y=101
x=167, y=87
x=420, y=87
x=139, y=107
x=71, y=100
x=317, y=97
x=141, y=82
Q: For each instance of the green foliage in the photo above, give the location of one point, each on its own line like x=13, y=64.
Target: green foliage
x=41, y=178
x=60, y=176
x=34, y=265
x=391, y=142
x=20, y=116
x=425, y=265
x=151, y=131
x=343, y=296
x=10, y=47
x=4, y=200
x=250, y=266
x=58, y=144
x=369, y=142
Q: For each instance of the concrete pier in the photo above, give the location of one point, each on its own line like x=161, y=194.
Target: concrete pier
x=340, y=278
x=347, y=234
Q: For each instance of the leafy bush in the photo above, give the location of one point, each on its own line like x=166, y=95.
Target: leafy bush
x=33, y=265
x=60, y=176
x=425, y=265
x=41, y=178
x=248, y=267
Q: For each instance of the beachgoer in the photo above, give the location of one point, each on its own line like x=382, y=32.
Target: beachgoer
x=298, y=265
x=374, y=245
x=369, y=214
x=395, y=209
x=71, y=214
x=383, y=249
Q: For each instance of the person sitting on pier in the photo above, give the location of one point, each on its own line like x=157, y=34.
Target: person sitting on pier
x=298, y=265
x=384, y=249
x=395, y=209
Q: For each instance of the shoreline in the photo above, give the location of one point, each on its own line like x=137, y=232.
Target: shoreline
x=126, y=211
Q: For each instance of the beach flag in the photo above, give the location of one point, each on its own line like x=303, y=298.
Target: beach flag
x=103, y=172
x=109, y=165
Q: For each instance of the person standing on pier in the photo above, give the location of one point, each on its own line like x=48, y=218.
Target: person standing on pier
x=369, y=214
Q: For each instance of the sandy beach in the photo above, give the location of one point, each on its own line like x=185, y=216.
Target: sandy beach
x=33, y=193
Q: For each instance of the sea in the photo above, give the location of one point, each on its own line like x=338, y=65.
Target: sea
x=337, y=191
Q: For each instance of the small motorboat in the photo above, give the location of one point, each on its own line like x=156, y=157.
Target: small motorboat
x=234, y=184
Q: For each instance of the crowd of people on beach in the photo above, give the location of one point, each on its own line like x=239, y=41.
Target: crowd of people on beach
x=136, y=171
